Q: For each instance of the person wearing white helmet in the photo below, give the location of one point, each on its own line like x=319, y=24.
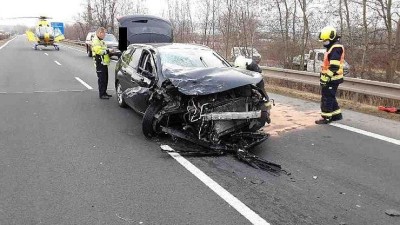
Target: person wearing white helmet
x=248, y=64
x=331, y=75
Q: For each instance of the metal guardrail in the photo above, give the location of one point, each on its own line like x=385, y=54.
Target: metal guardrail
x=361, y=86
x=368, y=87
x=81, y=43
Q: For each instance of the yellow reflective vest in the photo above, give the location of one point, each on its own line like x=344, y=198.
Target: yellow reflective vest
x=100, y=52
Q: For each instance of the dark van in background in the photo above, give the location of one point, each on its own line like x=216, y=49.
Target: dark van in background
x=143, y=29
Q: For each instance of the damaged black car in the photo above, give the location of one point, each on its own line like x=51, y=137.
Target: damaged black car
x=190, y=92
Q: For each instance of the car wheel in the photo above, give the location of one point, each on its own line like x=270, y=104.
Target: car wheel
x=89, y=52
x=150, y=126
x=120, y=99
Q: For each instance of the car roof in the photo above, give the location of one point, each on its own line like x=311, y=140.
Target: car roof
x=173, y=46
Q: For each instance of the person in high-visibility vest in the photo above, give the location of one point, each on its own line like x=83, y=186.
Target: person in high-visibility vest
x=331, y=75
x=101, y=60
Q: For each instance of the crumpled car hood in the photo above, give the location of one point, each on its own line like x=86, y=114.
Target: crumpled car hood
x=204, y=81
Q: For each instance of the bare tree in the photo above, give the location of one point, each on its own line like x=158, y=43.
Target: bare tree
x=225, y=24
x=305, y=35
x=365, y=37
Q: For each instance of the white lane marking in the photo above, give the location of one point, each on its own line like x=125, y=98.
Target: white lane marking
x=48, y=91
x=46, y=54
x=366, y=133
x=84, y=83
x=249, y=214
x=7, y=43
x=57, y=63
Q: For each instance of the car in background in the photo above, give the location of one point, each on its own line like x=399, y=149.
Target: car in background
x=110, y=40
x=316, y=60
x=190, y=92
x=297, y=59
x=247, y=52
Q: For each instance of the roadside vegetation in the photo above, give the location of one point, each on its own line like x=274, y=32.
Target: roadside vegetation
x=279, y=29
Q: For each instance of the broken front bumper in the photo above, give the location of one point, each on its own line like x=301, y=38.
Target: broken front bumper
x=232, y=115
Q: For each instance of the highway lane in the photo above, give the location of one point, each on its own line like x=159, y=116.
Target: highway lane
x=71, y=158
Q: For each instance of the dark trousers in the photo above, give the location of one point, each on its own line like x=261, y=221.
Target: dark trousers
x=102, y=79
x=329, y=103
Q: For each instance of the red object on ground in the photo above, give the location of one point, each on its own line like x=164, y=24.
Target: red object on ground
x=389, y=109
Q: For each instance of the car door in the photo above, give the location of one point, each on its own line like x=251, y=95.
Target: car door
x=123, y=68
x=129, y=86
x=142, y=78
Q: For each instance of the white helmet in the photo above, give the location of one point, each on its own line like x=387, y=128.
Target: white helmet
x=242, y=62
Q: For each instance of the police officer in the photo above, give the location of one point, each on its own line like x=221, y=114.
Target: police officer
x=331, y=75
x=101, y=61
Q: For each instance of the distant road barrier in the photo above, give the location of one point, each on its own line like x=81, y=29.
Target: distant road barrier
x=75, y=42
x=368, y=87
x=356, y=85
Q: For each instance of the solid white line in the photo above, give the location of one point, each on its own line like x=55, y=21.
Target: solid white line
x=366, y=133
x=84, y=83
x=7, y=43
x=46, y=54
x=57, y=63
x=249, y=214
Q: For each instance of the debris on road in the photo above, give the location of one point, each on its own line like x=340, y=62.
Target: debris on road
x=126, y=220
x=314, y=177
x=241, y=154
x=257, y=181
x=392, y=212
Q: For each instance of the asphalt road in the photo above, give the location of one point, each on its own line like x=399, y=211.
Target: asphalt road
x=68, y=157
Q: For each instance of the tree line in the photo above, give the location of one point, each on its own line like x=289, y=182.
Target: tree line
x=278, y=29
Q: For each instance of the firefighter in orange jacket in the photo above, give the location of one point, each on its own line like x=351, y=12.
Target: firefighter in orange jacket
x=331, y=75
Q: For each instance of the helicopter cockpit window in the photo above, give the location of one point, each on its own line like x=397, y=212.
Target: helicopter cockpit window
x=41, y=31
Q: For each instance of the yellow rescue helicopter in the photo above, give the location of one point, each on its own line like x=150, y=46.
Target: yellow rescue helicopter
x=44, y=34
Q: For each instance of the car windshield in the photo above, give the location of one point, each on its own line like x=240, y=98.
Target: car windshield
x=110, y=37
x=190, y=58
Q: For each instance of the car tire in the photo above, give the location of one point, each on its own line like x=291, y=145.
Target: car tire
x=120, y=99
x=89, y=53
x=150, y=127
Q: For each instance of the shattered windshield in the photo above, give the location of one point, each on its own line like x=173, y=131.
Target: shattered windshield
x=190, y=58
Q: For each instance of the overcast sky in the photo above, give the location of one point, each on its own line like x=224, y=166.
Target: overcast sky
x=59, y=10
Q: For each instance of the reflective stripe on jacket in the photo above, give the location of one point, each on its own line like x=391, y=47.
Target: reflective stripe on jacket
x=99, y=52
x=332, y=67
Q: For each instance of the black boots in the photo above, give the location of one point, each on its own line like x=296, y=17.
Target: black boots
x=328, y=120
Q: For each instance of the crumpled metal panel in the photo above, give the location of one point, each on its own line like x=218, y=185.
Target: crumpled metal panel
x=204, y=81
x=132, y=92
